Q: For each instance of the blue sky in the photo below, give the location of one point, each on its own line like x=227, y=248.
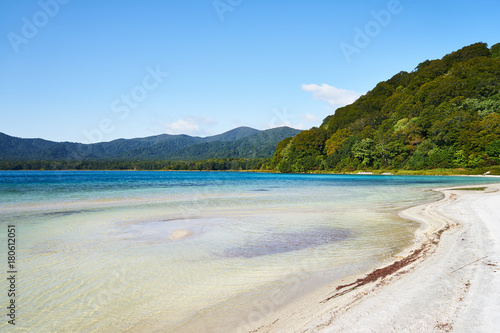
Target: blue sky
x=94, y=70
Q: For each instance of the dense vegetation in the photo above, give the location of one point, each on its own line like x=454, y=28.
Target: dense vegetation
x=242, y=142
x=444, y=114
x=228, y=164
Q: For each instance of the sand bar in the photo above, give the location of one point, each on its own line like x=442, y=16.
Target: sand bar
x=448, y=281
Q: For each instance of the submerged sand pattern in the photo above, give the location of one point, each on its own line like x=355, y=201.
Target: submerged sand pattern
x=146, y=258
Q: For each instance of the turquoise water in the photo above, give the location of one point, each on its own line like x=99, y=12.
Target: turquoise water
x=142, y=251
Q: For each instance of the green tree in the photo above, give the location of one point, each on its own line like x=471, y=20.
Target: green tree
x=495, y=51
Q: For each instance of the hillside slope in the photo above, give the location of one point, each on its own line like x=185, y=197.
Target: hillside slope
x=259, y=145
x=444, y=114
x=240, y=142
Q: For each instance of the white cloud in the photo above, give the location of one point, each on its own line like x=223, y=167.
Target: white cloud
x=334, y=96
x=189, y=125
x=182, y=126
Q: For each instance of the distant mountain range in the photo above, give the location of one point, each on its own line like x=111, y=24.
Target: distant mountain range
x=241, y=142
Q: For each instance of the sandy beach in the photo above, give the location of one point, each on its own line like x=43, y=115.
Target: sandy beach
x=312, y=254
x=447, y=281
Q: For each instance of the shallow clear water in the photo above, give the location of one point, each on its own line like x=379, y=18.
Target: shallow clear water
x=95, y=249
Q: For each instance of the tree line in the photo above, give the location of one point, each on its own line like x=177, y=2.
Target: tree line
x=444, y=114
x=227, y=164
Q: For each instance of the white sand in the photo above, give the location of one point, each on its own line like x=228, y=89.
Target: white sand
x=446, y=289
x=180, y=234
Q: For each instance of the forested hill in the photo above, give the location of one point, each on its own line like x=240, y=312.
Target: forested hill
x=444, y=114
x=241, y=142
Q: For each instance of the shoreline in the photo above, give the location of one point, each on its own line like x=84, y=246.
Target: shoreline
x=447, y=280
x=138, y=234
x=396, y=172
